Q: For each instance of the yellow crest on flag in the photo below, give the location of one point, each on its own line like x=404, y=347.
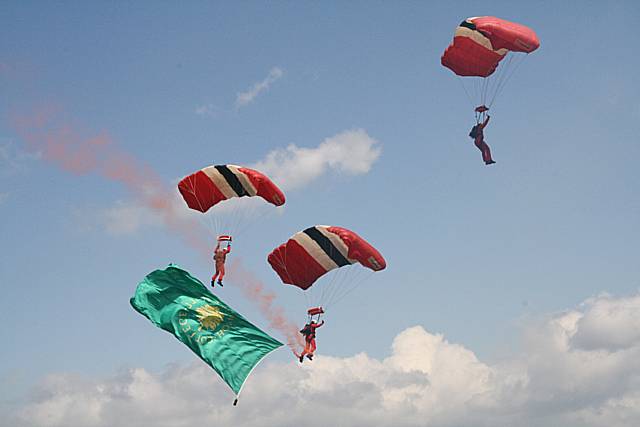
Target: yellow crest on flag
x=209, y=316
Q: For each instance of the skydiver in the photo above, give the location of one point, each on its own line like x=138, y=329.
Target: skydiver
x=477, y=133
x=309, y=332
x=220, y=256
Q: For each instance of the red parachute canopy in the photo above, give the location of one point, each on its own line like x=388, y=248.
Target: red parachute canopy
x=211, y=185
x=309, y=254
x=479, y=44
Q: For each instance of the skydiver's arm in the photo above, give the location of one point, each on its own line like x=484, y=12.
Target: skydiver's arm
x=486, y=121
x=226, y=251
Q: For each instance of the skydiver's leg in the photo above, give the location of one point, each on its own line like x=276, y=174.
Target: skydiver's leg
x=312, y=349
x=305, y=351
x=221, y=269
x=486, y=154
x=213, y=278
x=478, y=143
x=486, y=151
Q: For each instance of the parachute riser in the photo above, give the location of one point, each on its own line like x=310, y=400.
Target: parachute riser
x=315, y=312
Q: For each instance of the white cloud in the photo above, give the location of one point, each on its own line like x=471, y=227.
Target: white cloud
x=246, y=98
x=122, y=218
x=128, y=218
x=608, y=324
x=426, y=380
x=208, y=110
x=352, y=152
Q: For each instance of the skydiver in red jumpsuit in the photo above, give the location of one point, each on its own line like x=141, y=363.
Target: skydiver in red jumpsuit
x=220, y=256
x=309, y=332
x=477, y=133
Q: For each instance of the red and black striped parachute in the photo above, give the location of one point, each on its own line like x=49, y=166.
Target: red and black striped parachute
x=214, y=184
x=311, y=253
x=480, y=43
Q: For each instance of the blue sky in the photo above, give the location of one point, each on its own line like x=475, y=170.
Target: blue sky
x=473, y=252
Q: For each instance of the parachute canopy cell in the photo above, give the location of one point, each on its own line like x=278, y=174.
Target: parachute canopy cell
x=480, y=43
x=214, y=184
x=309, y=254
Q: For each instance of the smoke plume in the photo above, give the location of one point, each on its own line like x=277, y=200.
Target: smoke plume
x=63, y=144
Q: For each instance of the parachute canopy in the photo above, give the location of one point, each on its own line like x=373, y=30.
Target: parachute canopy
x=211, y=185
x=311, y=253
x=480, y=43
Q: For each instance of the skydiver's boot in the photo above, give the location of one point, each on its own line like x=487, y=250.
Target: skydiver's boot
x=301, y=358
x=220, y=283
x=489, y=162
x=213, y=283
x=310, y=356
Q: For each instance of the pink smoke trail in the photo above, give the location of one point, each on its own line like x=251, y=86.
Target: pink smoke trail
x=254, y=289
x=64, y=145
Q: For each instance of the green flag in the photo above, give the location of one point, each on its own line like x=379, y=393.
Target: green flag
x=179, y=303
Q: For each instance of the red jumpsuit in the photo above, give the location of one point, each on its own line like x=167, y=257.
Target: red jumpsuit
x=219, y=256
x=479, y=142
x=310, y=339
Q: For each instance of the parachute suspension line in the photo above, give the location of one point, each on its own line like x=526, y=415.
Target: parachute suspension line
x=344, y=283
x=466, y=91
x=350, y=282
x=235, y=215
x=258, y=212
x=511, y=71
x=477, y=88
x=498, y=78
x=228, y=219
x=359, y=277
x=307, y=299
x=491, y=82
x=508, y=77
x=363, y=276
x=325, y=289
x=485, y=87
x=336, y=281
x=319, y=300
x=340, y=282
x=231, y=218
x=219, y=225
x=354, y=281
x=481, y=89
